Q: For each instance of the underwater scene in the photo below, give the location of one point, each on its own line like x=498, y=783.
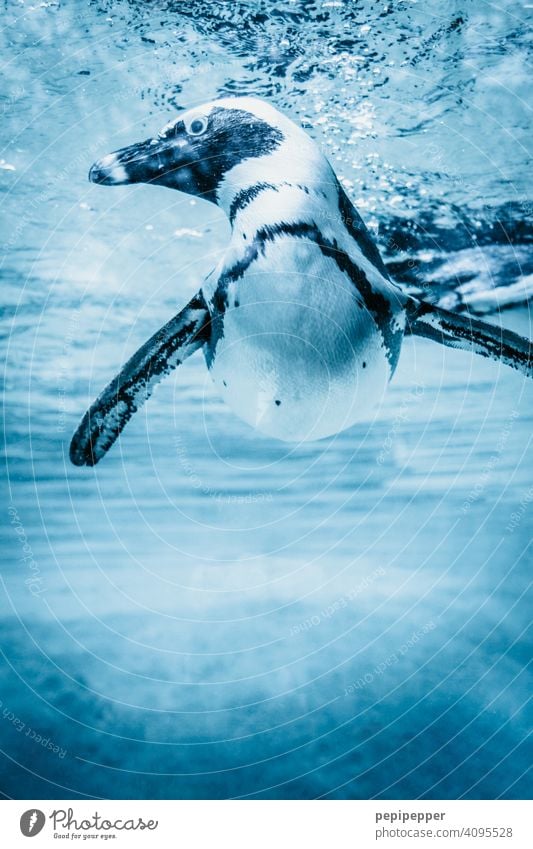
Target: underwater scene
x=209, y=612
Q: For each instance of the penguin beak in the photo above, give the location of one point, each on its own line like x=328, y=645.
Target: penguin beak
x=152, y=161
x=108, y=171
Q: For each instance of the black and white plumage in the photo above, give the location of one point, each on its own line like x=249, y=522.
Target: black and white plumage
x=300, y=324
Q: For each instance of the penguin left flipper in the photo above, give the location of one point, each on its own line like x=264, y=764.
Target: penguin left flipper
x=469, y=334
x=127, y=392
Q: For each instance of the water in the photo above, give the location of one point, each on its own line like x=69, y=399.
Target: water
x=210, y=613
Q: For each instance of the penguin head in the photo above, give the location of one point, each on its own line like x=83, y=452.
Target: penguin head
x=214, y=150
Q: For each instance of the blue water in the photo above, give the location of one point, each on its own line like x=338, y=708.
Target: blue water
x=209, y=613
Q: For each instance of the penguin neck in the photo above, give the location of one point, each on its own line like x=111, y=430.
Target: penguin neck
x=268, y=203
x=283, y=185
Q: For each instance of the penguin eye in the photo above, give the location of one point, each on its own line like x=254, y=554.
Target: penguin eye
x=197, y=126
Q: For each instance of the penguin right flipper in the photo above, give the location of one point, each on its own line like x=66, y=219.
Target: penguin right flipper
x=169, y=347
x=470, y=334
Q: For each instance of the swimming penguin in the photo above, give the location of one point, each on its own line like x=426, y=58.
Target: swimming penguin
x=300, y=323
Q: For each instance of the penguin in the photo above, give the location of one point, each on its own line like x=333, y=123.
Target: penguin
x=300, y=323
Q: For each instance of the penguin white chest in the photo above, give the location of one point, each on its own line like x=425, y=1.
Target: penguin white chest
x=298, y=355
